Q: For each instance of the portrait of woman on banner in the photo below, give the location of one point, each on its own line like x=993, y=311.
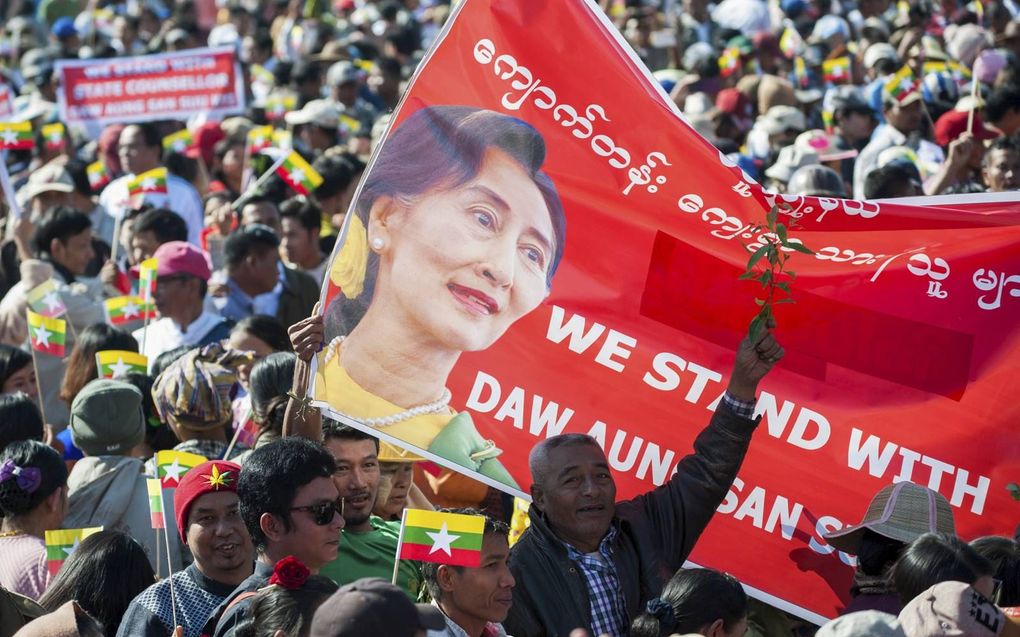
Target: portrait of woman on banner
x=455, y=236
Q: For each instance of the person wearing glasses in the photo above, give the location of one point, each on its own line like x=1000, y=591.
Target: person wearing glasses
x=291, y=506
x=209, y=522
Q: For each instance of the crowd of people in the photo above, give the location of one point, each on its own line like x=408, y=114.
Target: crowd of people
x=288, y=523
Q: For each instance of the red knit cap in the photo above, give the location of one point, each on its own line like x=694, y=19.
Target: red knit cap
x=213, y=476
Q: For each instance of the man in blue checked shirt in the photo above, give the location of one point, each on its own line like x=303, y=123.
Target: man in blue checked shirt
x=589, y=562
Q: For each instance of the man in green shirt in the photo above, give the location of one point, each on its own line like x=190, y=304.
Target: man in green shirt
x=368, y=544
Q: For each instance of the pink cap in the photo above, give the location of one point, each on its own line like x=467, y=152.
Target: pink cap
x=180, y=257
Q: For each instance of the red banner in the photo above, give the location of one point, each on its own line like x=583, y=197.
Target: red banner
x=903, y=346
x=204, y=82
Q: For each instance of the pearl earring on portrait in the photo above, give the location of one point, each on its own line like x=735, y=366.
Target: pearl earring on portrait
x=378, y=243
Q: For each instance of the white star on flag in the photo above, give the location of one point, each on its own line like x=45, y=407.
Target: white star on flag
x=174, y=470
x=120, y=368
x=42, y=336
x=441, y=541
x=55, y=137
x=297, y=175
x=10, y=136
x=51, y=301
x=129, y=310
x=148, y=183
x=72, y=548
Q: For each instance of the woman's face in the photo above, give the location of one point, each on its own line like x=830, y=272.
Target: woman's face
x=22, y=380
x=460, y=266
x=245, y=342
x=400, y=475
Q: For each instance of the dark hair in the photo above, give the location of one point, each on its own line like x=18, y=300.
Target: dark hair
x=333, y=430
x=877, y=553
x=888, y=180
x=289, y=610
x=934, y=558
x=270, y=380
x=105, y=572
x=443, y=147
x=693, y=599
x=271, y=476
x=15, y=501
x=304, y=211
x=158, y=435
x=165, y=224
x=167, y=358
x=245, y=241
x=430, y=570
x=20, y=419
x=150, y=133
x=78, y=170
x=337, y=172
x=1000, y=143
x=1004, y=554
x=63, y=223
x=267, y=329
x=1002, y=100
x=12, y=360
x=81, y=366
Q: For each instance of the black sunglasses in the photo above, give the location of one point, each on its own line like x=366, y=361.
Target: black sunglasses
x=322, y=514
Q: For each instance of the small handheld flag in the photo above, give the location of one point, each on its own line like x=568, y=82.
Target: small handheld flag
x=299, y=174
x=837, y=69
x=115, y=363
x=278, y=105
x=179, y=142
x=151, y=182
x=98, y=175
x=258, y=138
x=901, y=85
x=147, y=278
x=61, y=543
x=171, y=465
x=155, y=491
x=53, y=136
x=446, y=538
x=283, y=139
x=46, y=334
x=729, y=62
x=45, y=299
x=124, y=309
x=16, y=136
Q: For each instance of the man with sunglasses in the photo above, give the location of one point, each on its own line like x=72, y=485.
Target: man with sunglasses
x=206, y=511
x=181, y=284
x=291, y=507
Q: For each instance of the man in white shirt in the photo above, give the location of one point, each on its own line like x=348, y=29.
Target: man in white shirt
x=140, y=149
x=181, y=284
x=903, y=108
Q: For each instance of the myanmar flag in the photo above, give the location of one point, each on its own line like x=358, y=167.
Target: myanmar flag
x=729, y=62
x=900, y=85
x=124, y=309
x=446, y=538
x=171, y=465
x=151, y=182
x=53, y=136
x=299, y=174
x=283, y=139
x=258, y=138
x=47, y=334
x=155, y=491
x=98, y=175
x=114, y=363
x=16, y=136
x=278, y=105
x=836, y=69
x=44, y=299
x=350, y=123
x=179, y=142
x=62, y=542
x=147, y=278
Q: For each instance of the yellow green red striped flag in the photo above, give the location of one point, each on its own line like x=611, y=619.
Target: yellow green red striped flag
x=446, y=538
x=125, y=309
x=258, y=138
x=901, y=84
x=151, y=182
x=53, y=136
x=114, y=363
x=62, y=542
x=155, y=490
x=16, y=136
x=179, y=142
x=299, y=174
x=836, y=69
x=171, y=465
x=98, y=175
x=45, y=299
x=46, y=334
x=147, y=278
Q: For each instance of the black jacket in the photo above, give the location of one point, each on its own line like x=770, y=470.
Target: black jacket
x=657, y=531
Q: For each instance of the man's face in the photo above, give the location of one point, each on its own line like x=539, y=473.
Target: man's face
x=263, y=212
x=299, y=245
x=1001, y=171
x=483, y=593
x=75, y=253
x=356, y=477
x=857, y=126
x=262, y=265
x=578, y=495
x=135, y=155
x=177, y=293
x=143, y=245
x=906, y=119
x=217, y=536
x=315, y=545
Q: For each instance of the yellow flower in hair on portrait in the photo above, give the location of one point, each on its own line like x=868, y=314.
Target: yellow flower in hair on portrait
x=348, y=272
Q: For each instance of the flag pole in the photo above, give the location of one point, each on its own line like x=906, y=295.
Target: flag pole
x=38, y=386
x=263, y=178
x=169, y=561
x=400, y=545
x=237, y=433
x=973, y=100
x=158, y=542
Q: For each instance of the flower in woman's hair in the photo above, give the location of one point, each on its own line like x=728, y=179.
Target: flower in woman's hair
x=348, y=271
x=289, y=573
